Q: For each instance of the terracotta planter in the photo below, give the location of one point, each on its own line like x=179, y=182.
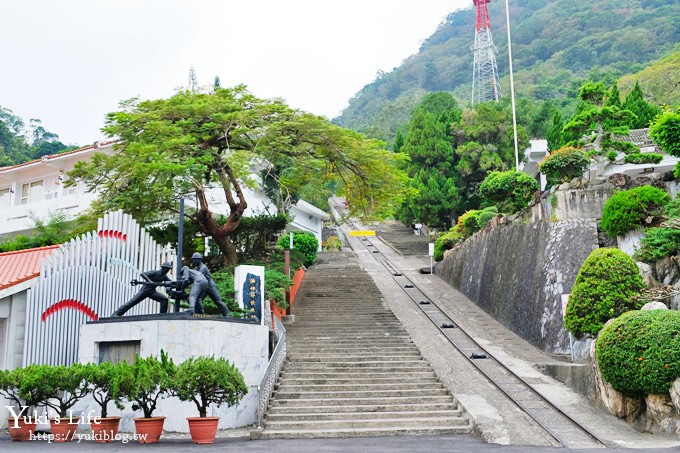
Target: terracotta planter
x=149, y=429
x=203, y=429
x=64, y=430
x=106, y=429
x=25, y=427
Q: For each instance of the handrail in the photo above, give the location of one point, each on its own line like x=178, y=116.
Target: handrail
x=266, y=387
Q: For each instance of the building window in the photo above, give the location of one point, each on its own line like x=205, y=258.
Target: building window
x=5, y=196
x=32, y=192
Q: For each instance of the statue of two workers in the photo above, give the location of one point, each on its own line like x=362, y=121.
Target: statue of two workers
x=200, y=279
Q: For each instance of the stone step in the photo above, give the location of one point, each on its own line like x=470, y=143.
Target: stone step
x=356, y=348
x=336, y=358
x=363, y=415
x=384, y=401
x=285, y=393
x=356, y=380
x=354, y=374
x=361, y=387
x=358, y=432
x=414, y=421
x=358, y=409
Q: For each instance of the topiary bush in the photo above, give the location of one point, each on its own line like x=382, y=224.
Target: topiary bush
x=565, y=164
x=510, y=190
x=628, y=209
x=639, y=158
x=658, y=243
x=446, y=242
x=485, y=216
x=639, y=353
x=302, y=242
x=672, y=209
x=604, y=289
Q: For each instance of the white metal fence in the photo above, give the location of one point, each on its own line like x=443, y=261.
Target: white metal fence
x=88, y=278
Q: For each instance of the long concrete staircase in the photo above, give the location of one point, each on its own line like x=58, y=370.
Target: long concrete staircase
x=352, y=369
x=403, y=239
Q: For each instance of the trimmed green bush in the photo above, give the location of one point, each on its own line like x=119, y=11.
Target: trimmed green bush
x=672, y=209
x=302, y=242
x=510, y=190
x=604, y=289
x=628, y=209
x=565, y=164
x=485, y=216
x=639, y=158
x=446, y=242
x=658, y=243
x=639, y=353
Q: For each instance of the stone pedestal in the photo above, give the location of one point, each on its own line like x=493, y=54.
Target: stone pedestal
x=182, y=336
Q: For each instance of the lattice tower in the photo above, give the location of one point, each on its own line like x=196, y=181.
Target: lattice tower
x=485, y=83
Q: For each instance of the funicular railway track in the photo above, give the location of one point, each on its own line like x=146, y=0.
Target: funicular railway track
x=561, y=427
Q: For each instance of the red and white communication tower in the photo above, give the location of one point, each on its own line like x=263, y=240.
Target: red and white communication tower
x=485, y=82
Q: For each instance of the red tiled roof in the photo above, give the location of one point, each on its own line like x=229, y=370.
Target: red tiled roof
x=55, y=156
x=22, y=265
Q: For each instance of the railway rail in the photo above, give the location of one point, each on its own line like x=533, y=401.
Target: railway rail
x=564, y=429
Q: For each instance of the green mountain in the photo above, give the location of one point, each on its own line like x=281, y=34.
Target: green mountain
x=556, y=46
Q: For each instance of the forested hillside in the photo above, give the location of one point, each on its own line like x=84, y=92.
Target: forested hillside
x=20, y=142
x=557, y=44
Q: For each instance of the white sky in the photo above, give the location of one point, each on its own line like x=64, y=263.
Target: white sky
x=69, y=62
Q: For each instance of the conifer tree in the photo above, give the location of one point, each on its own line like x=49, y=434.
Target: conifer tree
x=554, y=133
x=644, y=111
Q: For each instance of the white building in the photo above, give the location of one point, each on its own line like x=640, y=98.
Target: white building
x=35, y=189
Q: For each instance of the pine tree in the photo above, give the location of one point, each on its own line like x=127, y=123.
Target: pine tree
x=398, y=142
x=554, y=133
x=614, y=98
x=643, y=110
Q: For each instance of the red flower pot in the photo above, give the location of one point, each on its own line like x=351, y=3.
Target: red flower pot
x=149, y=429
x=64, y=430
x=203, y=429
x=22, y=429
x=106, y=429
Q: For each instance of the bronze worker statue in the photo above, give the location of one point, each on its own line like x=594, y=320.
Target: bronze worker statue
x=152, y=280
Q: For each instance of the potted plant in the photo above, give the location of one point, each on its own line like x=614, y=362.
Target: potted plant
x=103, y=381
x=205, y=381
x=20, y=424
x=59, y=388
x=143, y=383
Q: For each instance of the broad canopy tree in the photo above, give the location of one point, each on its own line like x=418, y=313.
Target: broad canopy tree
x=193, y=141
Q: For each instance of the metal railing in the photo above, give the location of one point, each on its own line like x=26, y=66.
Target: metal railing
x=266, y=387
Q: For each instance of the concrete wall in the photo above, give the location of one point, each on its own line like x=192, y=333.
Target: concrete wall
x=518, y=273
x=246, y=345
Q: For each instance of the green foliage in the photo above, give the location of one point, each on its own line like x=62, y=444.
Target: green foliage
x=628, y=209
x=557, y=45
x=672, y=208
x=658, y=243
x=255, y=235
x=639, y=353
x=57, y=229
x=194, y=140
x=605, y=287
x=564, y=164
x=333, y=244
x=206, y=381
x=103, y=382
x=485, y=216
x=665, y=131
x=58, y=387
x=644, y=111
x=647, y=158
x=554, y=133
x=275, y=285
x=10, y=387
x=303, y=242
x=145, y=381
x=612, y=156
x=20, y=143
x=512, y=189
x=446, y=242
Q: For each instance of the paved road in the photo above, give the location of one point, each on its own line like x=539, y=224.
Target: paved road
x=424, y=444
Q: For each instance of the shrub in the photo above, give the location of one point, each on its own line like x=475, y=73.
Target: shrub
x=275, y=285
x=145, y=381
x=333, y=244
x=303, y=242
x=565, y=164
x=665, y=131
x=672, y=209
x=604, y=289
x=628, y=209
x=57, y=387
x=206, y=380
x=658, y=243
x=639, y=353
x=467, y=223
x=103, y=380
x=639, y=158
x=511, y=190
x=485, y=216
x=446, y=242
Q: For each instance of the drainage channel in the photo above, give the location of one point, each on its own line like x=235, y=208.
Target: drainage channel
x=560, y=426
